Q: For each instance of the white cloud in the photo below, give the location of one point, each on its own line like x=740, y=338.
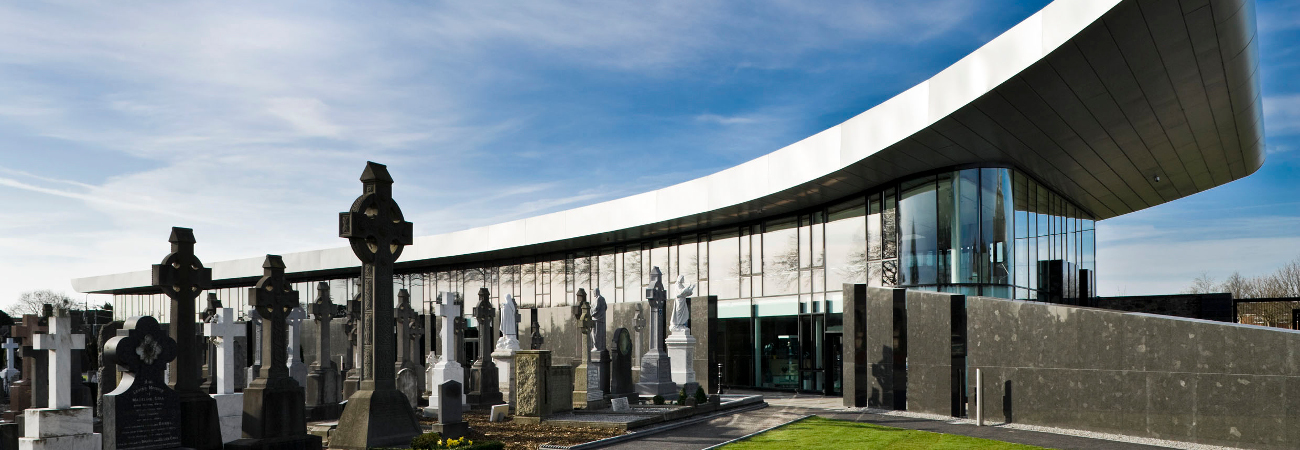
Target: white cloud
x=253, y=119
x=1282, y=115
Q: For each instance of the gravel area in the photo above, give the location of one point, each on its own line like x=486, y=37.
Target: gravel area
x=521, y=436
x=1042, y=429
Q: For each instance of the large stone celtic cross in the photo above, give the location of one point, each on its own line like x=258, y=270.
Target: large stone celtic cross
x=273, y=297
x=182, y=277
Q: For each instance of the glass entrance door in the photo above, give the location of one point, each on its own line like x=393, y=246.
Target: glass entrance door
x=812, y=361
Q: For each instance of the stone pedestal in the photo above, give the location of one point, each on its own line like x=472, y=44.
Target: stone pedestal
x=681, y=354
x=50, y=428
x=230, y=409
x=531, y=370
x=323, y=402
x=598, y=379
x=505, y=362
x=580, y=385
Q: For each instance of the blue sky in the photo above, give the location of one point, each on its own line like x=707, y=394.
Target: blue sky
x=250, y=122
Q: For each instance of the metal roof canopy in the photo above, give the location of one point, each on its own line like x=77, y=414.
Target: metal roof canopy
x=1116, y=105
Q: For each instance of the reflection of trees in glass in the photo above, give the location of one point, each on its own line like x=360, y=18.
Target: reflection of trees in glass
x=784, y=268
x=856, y=269
x=607, y=270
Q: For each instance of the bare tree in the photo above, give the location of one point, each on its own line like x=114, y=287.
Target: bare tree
x=32, y=302
x=1203, y=284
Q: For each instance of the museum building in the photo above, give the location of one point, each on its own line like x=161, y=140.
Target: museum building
x=984, y=180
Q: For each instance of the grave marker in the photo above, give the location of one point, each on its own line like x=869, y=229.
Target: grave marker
x=655, y=376
x=323, y=383
x=223, y=330
x=484, y=390
x=142, y=412
x=61, y=426
x=181, y=276
x=374, y=227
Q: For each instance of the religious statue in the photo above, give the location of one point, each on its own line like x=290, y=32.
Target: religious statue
x=509, y=324
x=598, y=315
x=681, y=308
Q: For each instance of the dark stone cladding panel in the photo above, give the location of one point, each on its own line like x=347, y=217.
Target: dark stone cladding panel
x=1130, y=373
x=929, y=352
x=704, y=319
x=855, y=385
x=879, y=331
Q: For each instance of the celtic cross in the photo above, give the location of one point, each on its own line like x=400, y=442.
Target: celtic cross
x=273, y=297
x=375, y=229
x=405, y=316
x=182, y=277
x=485, y=314
x=323, y=311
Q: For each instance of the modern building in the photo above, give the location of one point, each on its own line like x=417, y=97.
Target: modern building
x=985, y=180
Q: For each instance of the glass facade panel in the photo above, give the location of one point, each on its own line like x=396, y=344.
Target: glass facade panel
x=918, y=232
x=977, y=231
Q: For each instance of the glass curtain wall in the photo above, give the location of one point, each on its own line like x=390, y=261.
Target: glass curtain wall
x=976, y=231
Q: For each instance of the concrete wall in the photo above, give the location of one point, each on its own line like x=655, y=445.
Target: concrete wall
x=1136, y=374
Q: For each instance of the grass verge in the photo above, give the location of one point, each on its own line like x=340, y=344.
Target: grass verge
x=822, y=433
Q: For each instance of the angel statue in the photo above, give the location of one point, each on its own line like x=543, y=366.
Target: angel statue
x=681, y=307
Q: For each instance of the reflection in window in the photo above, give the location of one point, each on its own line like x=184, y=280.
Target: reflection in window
x=724, y=265
x=918, y=240
x=846, y=258
x=780, y=258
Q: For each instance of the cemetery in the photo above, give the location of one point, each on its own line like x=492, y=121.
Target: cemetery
x=934, y=256
x=277, y=376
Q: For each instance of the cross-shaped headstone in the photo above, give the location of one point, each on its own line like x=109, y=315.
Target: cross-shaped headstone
x=657, y=296
x=405, y=316
x=274, y=298
x=224, y=329
x=10, y=371
x=449, y=311
x=214, y=304
x=375, y=229
x=323, y=311
x=182, y=277
x=60, y=342
x=377, y=232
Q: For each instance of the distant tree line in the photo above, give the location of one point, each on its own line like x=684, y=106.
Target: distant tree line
x=1283, y=282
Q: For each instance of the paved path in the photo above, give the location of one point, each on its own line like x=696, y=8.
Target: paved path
x=786, y=407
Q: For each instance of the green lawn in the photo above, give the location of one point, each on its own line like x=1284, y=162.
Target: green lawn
x=816, y=432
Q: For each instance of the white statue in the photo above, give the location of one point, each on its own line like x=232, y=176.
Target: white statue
x=682, y=312
x=509, y=325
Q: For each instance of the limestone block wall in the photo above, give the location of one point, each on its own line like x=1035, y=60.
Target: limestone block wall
x=1135, y=374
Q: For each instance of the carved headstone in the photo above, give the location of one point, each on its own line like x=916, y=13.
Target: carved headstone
x=356, y=356
x=274, y=403
x=448, y=367
x=223, y=330
x=620, y=384
x=598, y=369
x=297, y=368
x=582, y=314
x=532, y=401
x=323, y=383
x=27, y=393
x=143, y=412
x=535, y=339
x=408, y=382
x=483, y=374
x=61, y=426
x=451, y=422
x=377, y=233
x=252, y=371
x=209, y=349
x=181, y=276
x=406, y=317
x=656, y=378
x=10, y=374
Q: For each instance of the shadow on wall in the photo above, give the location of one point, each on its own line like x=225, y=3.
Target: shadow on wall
x=1006, y=401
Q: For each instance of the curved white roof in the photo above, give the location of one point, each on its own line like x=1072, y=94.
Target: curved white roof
x=1094, y=98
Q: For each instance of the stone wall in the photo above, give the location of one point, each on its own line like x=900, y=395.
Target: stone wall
x=930, y=340
x=1135, y=374
x=885, y=315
